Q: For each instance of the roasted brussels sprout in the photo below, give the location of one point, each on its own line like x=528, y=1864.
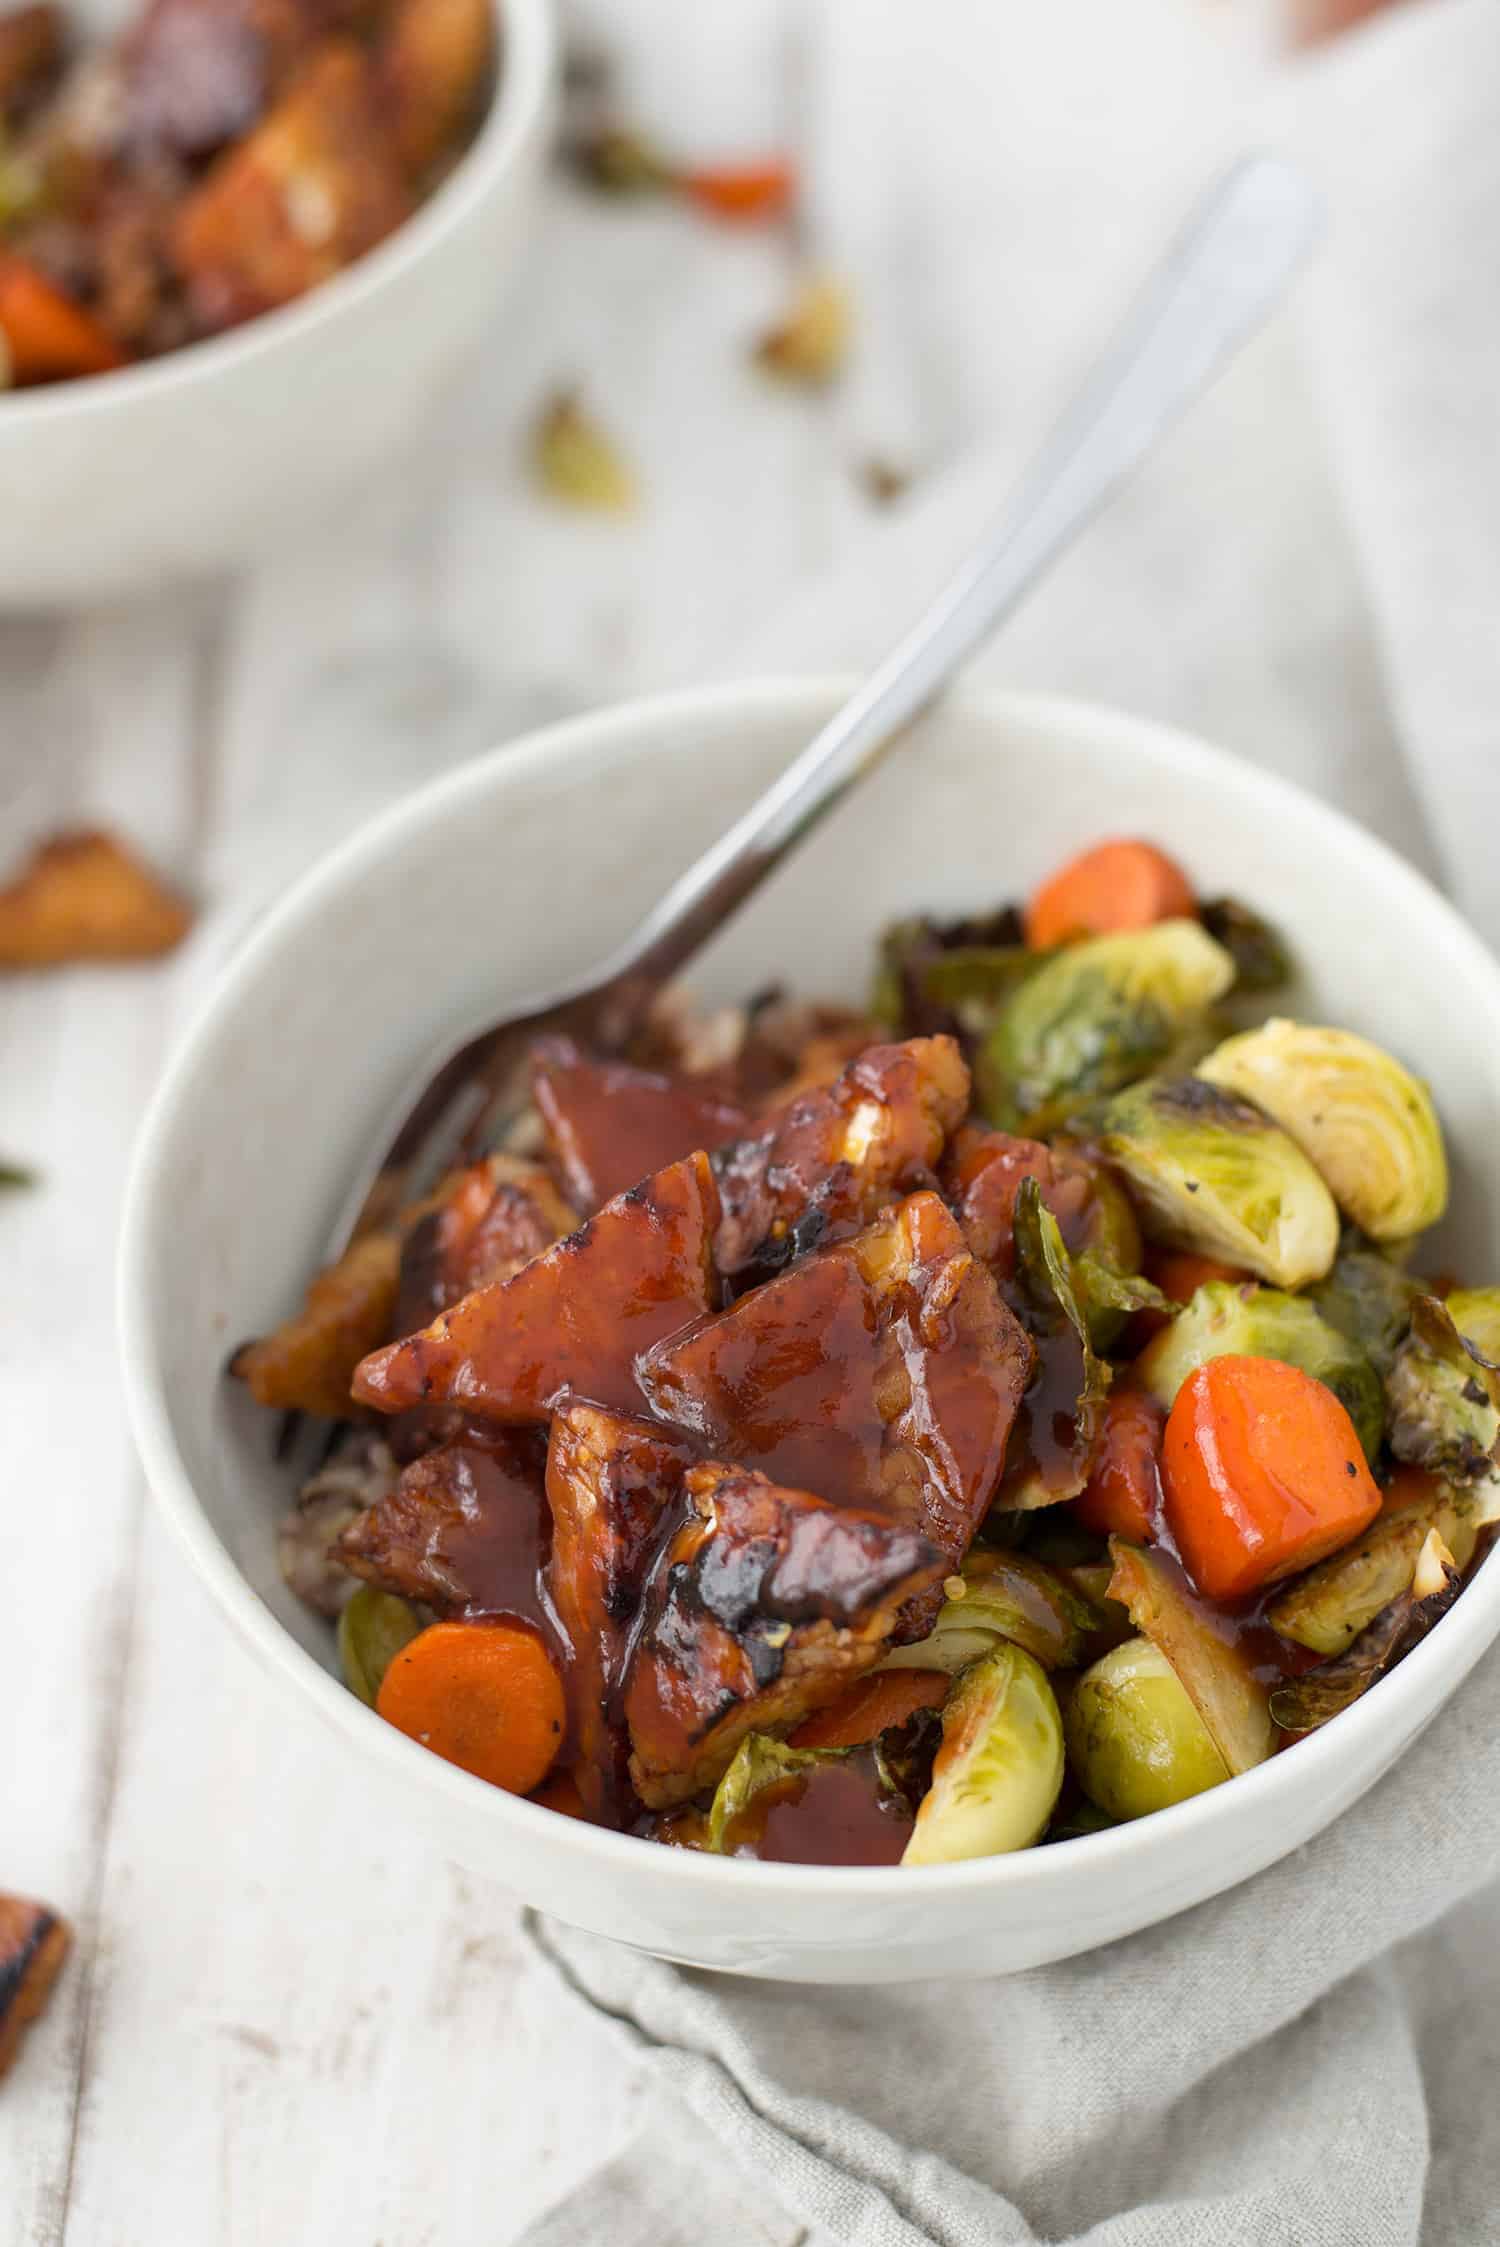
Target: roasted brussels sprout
x=916, y=994
x=1094, y=1017
x=1004, y=1596
x=764, y=1772
x=1368, y=1297
x=1135, y=1741
x=1441, y=1390
x=1216, y=1673
x=999, y=1770
x=1212, y=1173
x=373, y=1628
x=1261, y=960
x=1310, y=1700
x=1327, y=1609
x=1366, y=1122
x=1224, y=1320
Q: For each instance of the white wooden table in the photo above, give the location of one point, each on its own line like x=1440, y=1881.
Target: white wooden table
x=279, y=2025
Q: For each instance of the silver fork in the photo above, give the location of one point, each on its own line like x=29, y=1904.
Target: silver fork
x=1222, y=275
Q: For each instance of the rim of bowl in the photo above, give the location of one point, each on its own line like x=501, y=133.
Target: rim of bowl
x=622, y=729
x=523, y=88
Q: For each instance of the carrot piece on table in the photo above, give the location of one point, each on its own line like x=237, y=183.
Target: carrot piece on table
x=44, y=335
x=1122, y=1497
x=1115, y=885
x=484, y=1695
x=742, y=191
x=871, y=1706
x=1262, y=1474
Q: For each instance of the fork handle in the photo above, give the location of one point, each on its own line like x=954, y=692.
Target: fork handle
x=1224, y=273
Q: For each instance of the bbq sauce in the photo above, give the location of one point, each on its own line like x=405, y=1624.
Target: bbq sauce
x=835, y=1818
x=611, y=1125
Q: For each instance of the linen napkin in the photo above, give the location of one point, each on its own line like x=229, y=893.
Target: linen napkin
x=1311, y=574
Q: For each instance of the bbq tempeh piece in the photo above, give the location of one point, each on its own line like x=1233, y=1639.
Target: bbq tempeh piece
x=984, y=1171
x=488, y=1220
x=575, y=1318
x=610, y=1125
x=883, y=1372
x=765, y=1604
x=837, y=1156
x=33, y=1944
x=307, y=1363
x=464, y=1529
x=612, y=1485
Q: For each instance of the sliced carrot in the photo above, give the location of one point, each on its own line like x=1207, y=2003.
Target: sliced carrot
x=1179, y=1275
x=1115, y=885
x=1262, y=1474
x=742, y=191
x=1122, y=1497
x=872, y=1706
x=483, y=1695
x=47, y=337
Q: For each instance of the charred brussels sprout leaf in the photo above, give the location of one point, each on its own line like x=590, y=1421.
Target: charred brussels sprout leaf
x=1366, y=1122
x=1440, y=1392
x=1217, y=1675
x=1094, y=1017
x=1108, y=1296
x=999, y=1770
x=1327, y=1609
x=904, y=1756
x=373, y=1628
x=1226, y=1320
x=1310, y=1700
x=1006, y=1596
x=909, y=995
x=763, y=1773
x=1368, y=1297
x=1213, y=1174
x=1261, y=959
x=1060, y=1324
x=1135, y=1741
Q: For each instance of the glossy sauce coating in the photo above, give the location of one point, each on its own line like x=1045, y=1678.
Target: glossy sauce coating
x=609, y=1125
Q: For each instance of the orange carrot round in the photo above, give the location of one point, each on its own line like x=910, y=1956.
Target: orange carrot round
x=742, y=191
x=47, y=337
x=871, y=1706
x=1116, y=885
x=1262, y=1474
x=1122, y=1497
x=483, y=1695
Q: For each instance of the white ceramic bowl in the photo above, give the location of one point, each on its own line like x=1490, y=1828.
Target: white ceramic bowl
x=518, y=872
x=203, y=458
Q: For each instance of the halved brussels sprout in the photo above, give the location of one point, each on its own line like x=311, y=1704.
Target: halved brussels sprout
x=1004, y=1596
x=1096, y=1016
x=764, y=1772
x=373, y=1628
x=1217, y=1674
x=1261, y=960
x=1441, y=1390
x=1310, y=1700
x=1212, y=1173
x=1135, y=1741
x=999, y=1771
x=1366, y=1122
x=1326, y=1609
x=1225, y=1320
x=1368, y=1297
